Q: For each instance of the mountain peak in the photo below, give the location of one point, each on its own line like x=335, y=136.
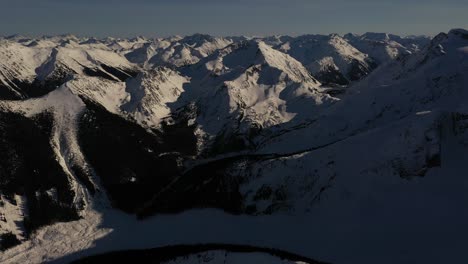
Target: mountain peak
x=277, y=59
x=197, y=38
x=376, y=36
x=459, y=32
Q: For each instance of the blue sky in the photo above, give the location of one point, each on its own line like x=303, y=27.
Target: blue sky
x=223, y=17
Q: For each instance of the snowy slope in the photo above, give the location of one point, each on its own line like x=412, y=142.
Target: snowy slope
x=65, y=107
x=249, y=86
x=151, y=93
x=34, y=67
x=72, y=58
x=331, y=58
x=386, y=47
x=177, y=51
x=18, y=64
x=145, y=98
x=400, y=108
x=430, y=80
x=337, y=179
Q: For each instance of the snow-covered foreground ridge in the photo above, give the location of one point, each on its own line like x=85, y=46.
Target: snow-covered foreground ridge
x=343, y=149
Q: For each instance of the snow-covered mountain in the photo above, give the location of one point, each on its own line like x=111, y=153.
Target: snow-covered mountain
x=35, y=67
x=177, y=51
x=298, y=140
x=402, y=108
x=384, y=47
x=331, y=58
x=247, y=87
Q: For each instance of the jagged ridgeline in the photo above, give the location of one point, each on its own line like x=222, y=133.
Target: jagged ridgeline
x=254, y=126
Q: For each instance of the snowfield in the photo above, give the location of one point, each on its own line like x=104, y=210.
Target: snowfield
x=341, y=149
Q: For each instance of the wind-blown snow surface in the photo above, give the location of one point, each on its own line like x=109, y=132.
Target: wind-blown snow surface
x=374, y=174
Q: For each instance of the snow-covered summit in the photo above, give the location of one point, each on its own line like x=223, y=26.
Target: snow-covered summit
x=288, y=137
x=248, y=86
x=331, y=58
x=385, y=47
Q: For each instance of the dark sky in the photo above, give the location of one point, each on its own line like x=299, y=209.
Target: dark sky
x=223, y=17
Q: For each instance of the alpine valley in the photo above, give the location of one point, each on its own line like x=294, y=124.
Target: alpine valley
x=200, y=149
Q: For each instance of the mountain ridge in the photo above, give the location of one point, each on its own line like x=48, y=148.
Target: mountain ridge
x=252, y=127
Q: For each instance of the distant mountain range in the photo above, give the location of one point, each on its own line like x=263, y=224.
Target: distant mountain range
x=363, y=136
